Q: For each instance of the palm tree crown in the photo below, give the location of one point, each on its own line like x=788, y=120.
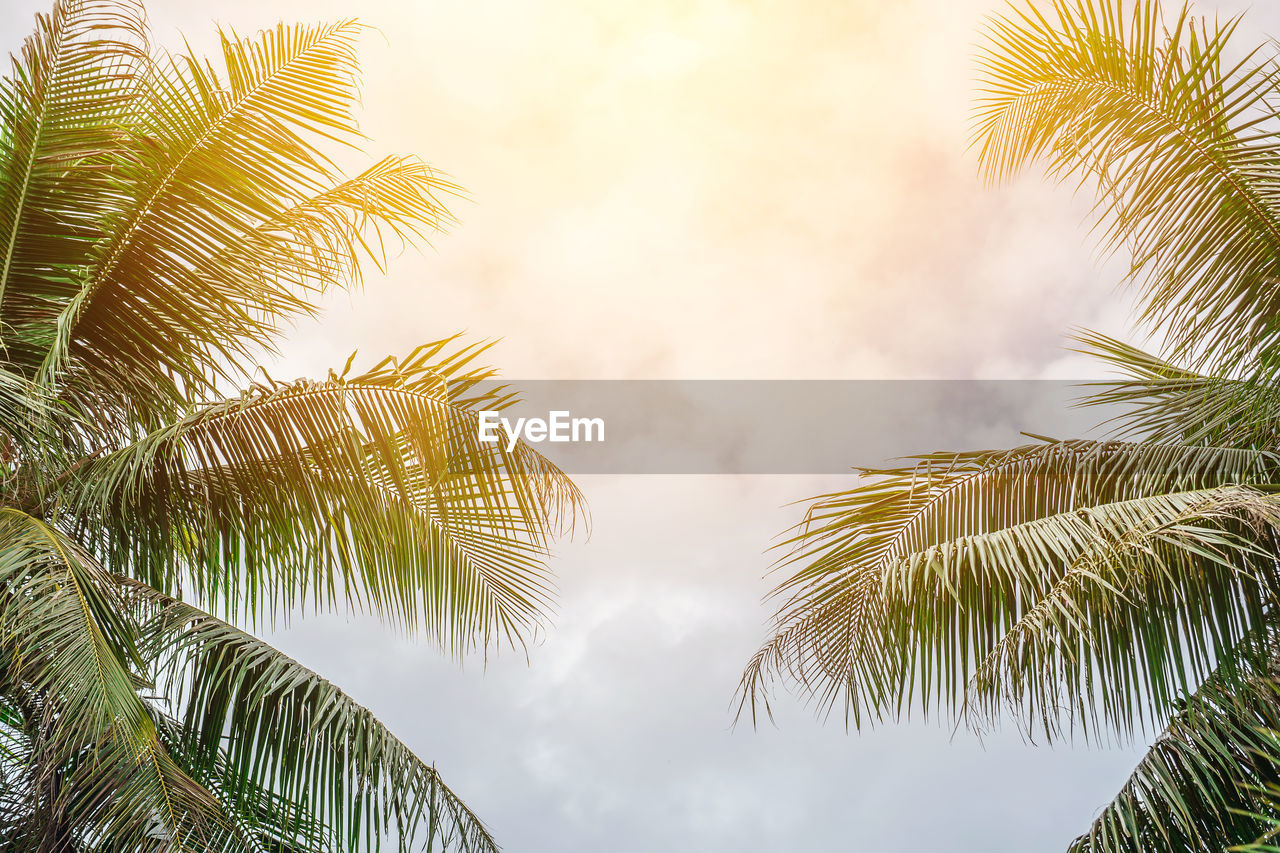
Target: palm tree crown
x=163, y=217
x=1097, y=587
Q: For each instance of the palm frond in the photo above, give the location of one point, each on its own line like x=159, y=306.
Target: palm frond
x=280, y=728
x=1180, y=141
x=372, y=490
x=907, y=584
x=71, y=663
x=1147, y=601
x=258, y=820
x=1161, y=402
x=162, y=220
x=1202, y=787
x=61, y=107
x=228, y=203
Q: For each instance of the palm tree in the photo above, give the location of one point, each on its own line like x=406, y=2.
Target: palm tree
x=1096, y=588
x=162, y=221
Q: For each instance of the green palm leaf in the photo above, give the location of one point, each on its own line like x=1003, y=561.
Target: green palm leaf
x=356, y=778
x=905, y=585
x=161, y=222
x=1161, y=402
x=62, y=104
x=220, y=183
x=1203, y=784
x=369, y=490
x=1091, y=586
x=1179, y=141
x=71, y=668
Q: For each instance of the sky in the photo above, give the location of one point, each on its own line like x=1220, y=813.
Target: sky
x=698, y=189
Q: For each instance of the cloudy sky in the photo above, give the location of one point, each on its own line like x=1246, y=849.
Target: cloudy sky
x=697, y=189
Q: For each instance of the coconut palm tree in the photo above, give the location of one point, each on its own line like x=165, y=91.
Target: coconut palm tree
x=1096, y=588
x=163, y=219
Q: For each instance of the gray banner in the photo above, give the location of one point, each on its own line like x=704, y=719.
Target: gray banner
x=782, y=426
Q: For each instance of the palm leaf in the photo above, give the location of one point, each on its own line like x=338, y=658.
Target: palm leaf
x=370, y=490
x=1161, y=402
x=1202, y=786
x=161, y=222
x=97, y=763
x=66, y=95
x=228, y=203
x=1179, y=140
x=907, y=584
x=289, y=731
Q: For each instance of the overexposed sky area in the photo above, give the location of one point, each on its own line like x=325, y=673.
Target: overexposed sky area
x=690, y=189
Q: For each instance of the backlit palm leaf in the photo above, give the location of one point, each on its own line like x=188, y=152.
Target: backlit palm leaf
x=237, y=693
x=1180, y=141
x=370, y=490
x=1203, y=785
x=1091, y=586
x=907, y=583
x=162, y=220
